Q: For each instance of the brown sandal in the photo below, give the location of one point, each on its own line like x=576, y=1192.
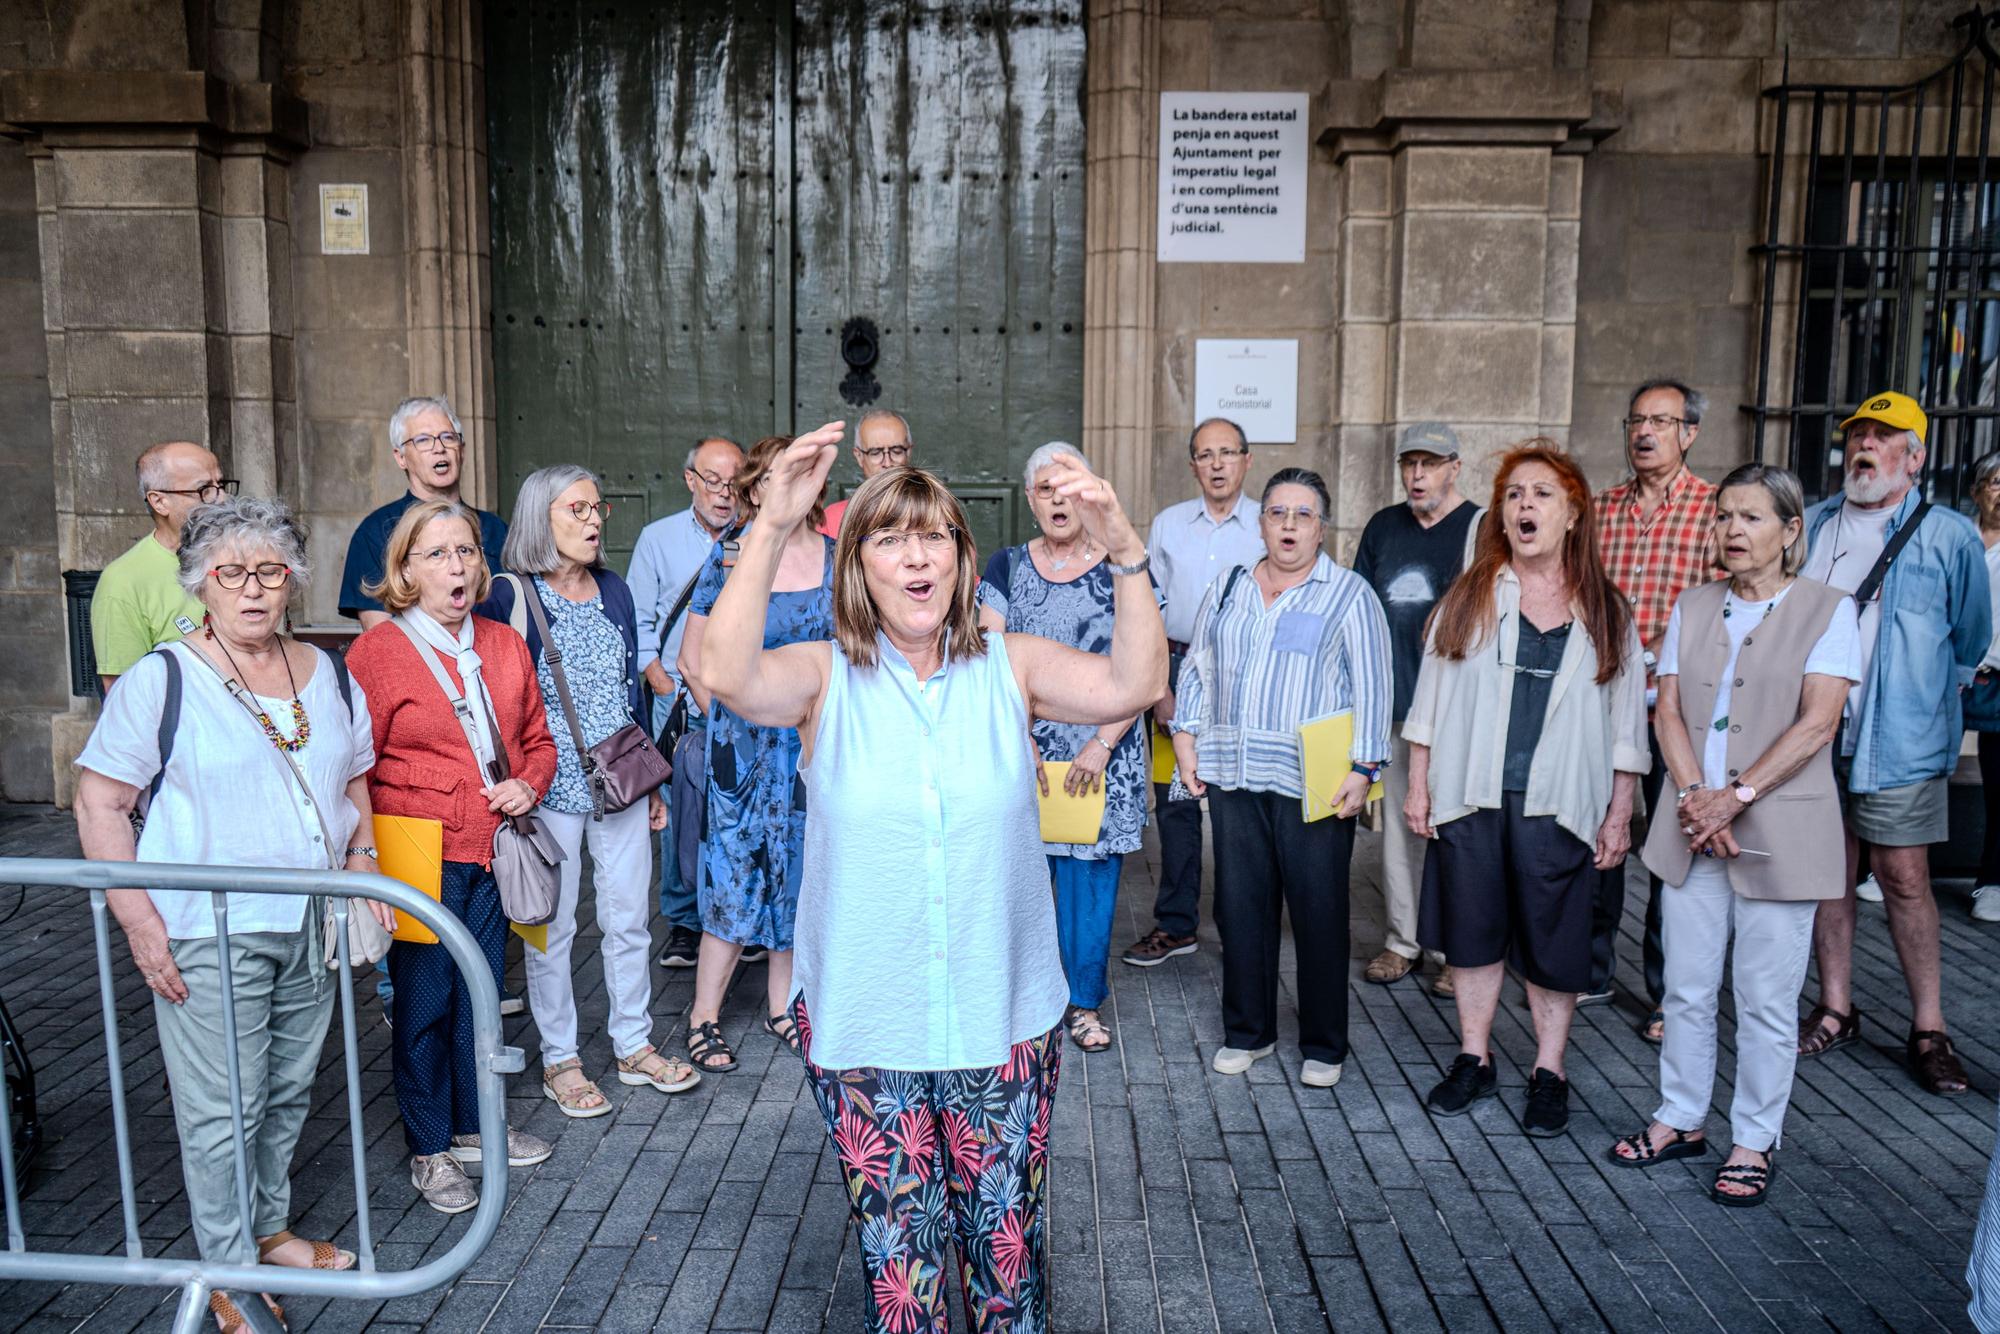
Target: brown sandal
x=231, y=1318
x=1815, y=1040
x=1937, y=1067
x=325, y=1254
x=1088, y=1031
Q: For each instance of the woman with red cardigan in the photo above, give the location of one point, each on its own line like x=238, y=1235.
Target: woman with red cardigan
x=426, y=767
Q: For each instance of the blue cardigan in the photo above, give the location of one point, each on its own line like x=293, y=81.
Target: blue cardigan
x=618, y=606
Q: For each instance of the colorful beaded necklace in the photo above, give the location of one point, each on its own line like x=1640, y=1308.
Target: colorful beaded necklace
x=301, y=725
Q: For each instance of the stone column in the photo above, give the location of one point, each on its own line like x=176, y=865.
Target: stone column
x=1120, y=188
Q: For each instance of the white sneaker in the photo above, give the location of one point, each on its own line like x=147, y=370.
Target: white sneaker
x=1319, y=1075
x=1870, y=892
x=1235, y=1060
x=1986, y=903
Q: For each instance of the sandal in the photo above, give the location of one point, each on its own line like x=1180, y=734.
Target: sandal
x=781, y=1027
x=1746, y=1174
x=1937, y=1068
x=576, y=1100
x=1644, y=1154
x=707, y=1049
x=1654, y=1030
x=647, y=1066
x=325, y=1255
x=231, y=1320
x=1815, y=1040
x=1087, y=1030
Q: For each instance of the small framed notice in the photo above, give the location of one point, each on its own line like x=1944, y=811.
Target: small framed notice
x=1233, y=177
x=1253, y=382
x=343, y=220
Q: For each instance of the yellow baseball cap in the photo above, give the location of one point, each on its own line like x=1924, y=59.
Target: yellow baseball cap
x=1897, y=410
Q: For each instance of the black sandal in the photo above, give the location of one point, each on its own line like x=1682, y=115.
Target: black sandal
x=706, y=1040
x=1645, y=1155
x=1747, y=1174
x=1657, y=1018
x=1814, y=1040
x=781, y=1027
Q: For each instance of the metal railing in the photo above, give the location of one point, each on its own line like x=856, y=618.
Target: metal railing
x=198, y=1278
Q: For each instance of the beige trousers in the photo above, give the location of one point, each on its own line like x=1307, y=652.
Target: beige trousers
x=1402, y=858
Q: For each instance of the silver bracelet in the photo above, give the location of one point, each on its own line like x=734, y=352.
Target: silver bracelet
x=1109, y=749
x=1143, y=564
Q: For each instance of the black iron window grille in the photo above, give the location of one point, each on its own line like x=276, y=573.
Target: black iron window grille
x=1892, y=274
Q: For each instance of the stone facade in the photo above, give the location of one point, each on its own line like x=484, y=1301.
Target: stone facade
x=1517, y=208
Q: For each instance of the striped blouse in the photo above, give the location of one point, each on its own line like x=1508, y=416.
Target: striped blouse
x=1254, y=674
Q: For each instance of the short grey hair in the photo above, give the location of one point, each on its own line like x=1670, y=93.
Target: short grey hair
x=687, y=464
x=399, y=420
x=1788, y=502
x=1694, y=403
x=1046, y=455
x=531, y=537
x=1984, y=467
x=242, y=523
x=878, y=414
x=1242, y=439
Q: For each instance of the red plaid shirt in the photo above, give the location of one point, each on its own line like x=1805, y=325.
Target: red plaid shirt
x=1653, y=560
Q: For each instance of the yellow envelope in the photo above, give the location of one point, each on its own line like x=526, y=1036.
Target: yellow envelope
x=1325, y=749
x=411, y=850
x=1067, y=819
x=1163, y=755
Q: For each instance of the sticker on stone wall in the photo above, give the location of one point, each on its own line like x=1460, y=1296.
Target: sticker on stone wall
x=1253, y=382
x=343, y=220
x=1233, y=178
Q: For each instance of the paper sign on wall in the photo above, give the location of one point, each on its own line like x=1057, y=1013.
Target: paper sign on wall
x=1253, y=382
x=1233, y=178
x=343, y=220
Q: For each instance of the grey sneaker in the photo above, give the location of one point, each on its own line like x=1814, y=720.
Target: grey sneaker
x=443, y=1183
x=523, y=1149
x=1319, y=1074
x=1235, y=1060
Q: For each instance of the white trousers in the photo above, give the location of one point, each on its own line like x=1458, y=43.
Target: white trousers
x=621, y=855
x=1773, y=943
x=1402, y=859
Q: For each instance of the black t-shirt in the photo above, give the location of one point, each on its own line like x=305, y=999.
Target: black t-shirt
x=371, y=540
x=1537, y=658
x=1409, y=566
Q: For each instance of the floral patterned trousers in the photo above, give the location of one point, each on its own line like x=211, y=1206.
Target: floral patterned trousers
x=941, y=1156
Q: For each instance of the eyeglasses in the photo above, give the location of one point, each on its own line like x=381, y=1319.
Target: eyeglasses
x=270, y=574
x=1043, y=491
x=583, y=509
x=1659, y=421
x=715, y=484
x=441, y=443
x=207, y=493
x=1539, y=673
x=439, y=555
x=890, y=543
x=1212, y=456
x=1424, y=462
x=1305, y=514
x=893, y=453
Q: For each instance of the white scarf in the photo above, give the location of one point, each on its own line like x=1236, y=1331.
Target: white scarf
x=460, y=647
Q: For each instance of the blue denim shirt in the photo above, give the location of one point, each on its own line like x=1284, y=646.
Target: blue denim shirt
x=1937, y=621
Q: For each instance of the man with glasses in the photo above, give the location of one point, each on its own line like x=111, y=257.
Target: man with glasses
x=139, y=603
x=1409, y=554
x=429, y=447
x=1193, y=544
x=881, y=441
x=1656, y=536
x=669, y=554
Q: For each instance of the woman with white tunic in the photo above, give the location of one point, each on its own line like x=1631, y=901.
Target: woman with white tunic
x=927, y=986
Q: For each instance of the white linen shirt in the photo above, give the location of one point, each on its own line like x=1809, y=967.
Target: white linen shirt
x=229, y=798
x=669, y=552
x=1190, y=551
x=1588, y=733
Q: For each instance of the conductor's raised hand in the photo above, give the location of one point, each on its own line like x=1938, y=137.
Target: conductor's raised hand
x=797, y=477
x=1103, y=518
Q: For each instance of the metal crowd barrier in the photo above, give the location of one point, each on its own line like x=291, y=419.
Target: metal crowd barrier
x=198, y=1278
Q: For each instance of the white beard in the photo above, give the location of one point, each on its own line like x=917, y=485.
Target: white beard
x=1870, y=492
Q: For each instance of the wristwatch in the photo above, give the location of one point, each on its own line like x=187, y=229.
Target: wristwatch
x=369, y=853
x=1745, y=793
x=1140, y=566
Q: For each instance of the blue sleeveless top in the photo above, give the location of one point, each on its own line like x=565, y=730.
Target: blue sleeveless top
x=926, y=931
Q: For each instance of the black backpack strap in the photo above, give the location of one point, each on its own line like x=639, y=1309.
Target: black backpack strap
x=170, y=717
x=1871, y=587
x=343, y=679
x=1228, y=587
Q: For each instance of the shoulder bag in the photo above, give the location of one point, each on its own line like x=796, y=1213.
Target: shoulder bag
x=527, y=860
x=620, y=769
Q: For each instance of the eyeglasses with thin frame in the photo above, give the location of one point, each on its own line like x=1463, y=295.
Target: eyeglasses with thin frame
x=1425, y=462
x=583, y=509
x=1659, y=421
x=1305, y=514
x=207, y=493
x=893, y=453
x=439, y=555
x=444, y=442
x=270, y=574
x=1212, y=456
x=891, y=542
x=1539, y=673
x=719, y=485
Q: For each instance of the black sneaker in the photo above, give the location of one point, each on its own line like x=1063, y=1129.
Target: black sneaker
x=1548, y=1104
x=753, y=954
x=683, y=948
x=1469, y=1080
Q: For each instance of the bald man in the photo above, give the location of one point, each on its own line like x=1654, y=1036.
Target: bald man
x=139, y=602
x=881, y=441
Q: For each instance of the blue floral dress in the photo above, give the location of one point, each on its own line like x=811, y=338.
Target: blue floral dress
x=755, y=825
x=593, y=655
x=1079, y=614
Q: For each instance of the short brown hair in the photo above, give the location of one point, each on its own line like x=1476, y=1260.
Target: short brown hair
x=397, y=592
x=902, y=499
x=758, y=462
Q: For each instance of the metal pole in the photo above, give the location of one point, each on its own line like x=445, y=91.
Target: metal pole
x=121, y=1125
x=364, y=1249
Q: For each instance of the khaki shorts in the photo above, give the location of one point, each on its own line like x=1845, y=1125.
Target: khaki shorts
x=1898, y=817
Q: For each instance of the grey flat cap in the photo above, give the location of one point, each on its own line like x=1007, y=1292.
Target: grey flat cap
x=1430, y=438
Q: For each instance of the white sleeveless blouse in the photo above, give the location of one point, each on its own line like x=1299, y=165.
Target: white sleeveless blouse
x=926, y=932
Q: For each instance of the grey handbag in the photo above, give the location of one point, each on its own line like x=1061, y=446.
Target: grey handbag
x=527, y=860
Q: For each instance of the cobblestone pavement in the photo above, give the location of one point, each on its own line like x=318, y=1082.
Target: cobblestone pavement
x=1183, y=1200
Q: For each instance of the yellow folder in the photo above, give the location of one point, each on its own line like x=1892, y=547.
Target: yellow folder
x=537, y=936
x=411, y=849
x=1163, y=755
x=1326, y=746
x=1067, y=819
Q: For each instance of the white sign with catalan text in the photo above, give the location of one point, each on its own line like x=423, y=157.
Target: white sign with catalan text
x=1233, y=178
x=1253, y=382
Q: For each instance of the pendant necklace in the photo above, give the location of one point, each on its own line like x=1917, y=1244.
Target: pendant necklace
x=301, y=726
x=1060, y=565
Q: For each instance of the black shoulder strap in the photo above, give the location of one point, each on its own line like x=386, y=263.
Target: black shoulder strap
x=729, y=548
x=170, y=716
x=1872, y=585
x=342, y=679
x=1228, y=587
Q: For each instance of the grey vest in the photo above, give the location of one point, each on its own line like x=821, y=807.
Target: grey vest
x=1797, y=821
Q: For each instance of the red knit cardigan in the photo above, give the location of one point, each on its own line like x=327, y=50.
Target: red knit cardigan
x=423, y=764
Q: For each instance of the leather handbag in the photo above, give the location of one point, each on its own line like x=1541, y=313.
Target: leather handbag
x=527, y=860
x=622, y=768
